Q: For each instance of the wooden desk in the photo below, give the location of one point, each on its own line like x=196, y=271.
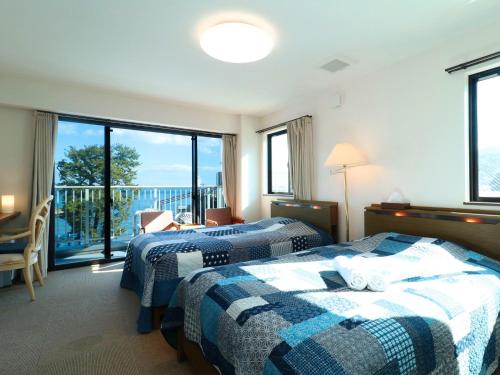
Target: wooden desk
x=6, y=276
x=7, y=217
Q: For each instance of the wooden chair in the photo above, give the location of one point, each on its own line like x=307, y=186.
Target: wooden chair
x=157, y=221
x=220, y=216
x=12, y=258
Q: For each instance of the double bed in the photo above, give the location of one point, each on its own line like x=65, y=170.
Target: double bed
x=294, y=314
x=156, y=262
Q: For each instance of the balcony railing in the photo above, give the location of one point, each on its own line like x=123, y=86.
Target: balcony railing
x=79, y=212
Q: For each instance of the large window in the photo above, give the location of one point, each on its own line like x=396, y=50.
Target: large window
x=278, y=176
x=484, y=112
x=107, y=174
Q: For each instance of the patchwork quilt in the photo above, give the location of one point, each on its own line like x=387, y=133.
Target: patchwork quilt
x=156, y=262
x=294, y=314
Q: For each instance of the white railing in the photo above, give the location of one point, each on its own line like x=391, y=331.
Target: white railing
x=79, y=210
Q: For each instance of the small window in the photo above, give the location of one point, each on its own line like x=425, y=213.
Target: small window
x=278, y=176
x=484, y=140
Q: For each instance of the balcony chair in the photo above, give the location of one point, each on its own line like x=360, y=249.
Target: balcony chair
x=157, y=221
x=24, y=254
x=220, y=216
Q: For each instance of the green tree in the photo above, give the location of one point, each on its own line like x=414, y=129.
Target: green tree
x=85, y=167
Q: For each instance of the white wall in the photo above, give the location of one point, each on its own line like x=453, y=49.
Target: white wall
x=249, y=146
x=16, y=158
x=409, y=119
x=32, y=93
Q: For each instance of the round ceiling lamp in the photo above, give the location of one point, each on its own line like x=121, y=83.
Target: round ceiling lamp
x=236, y=42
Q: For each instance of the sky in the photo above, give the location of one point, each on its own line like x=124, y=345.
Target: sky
x=488, y=132
x=165, y=158
x=488, y=92
x=280, y=163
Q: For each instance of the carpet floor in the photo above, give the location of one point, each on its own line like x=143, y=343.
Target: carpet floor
x=82, y=322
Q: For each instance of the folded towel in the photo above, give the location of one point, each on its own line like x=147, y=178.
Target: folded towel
x=351, y=271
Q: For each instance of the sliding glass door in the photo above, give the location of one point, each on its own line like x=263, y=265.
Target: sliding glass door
x=79, y=196
x=209, y=175
x=150, y=172
x=111, y=181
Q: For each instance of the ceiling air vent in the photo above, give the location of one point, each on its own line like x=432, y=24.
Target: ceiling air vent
x=335, y=65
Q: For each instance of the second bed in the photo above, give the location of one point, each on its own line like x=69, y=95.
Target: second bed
x=157, y=262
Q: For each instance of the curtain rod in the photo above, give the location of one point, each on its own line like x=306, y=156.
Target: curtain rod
x=138, y=125
x=279, y=125
x=470, y=63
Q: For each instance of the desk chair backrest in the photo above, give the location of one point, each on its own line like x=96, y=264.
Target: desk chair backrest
x=37, y=226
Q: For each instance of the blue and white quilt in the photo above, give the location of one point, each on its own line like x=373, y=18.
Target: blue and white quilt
x=294, y=314
x=156, y=262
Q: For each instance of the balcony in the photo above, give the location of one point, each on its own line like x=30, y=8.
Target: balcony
x=79, y=215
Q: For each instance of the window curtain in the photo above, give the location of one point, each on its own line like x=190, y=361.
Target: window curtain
x=229, y=171
x=43, y=170
x=300, y=157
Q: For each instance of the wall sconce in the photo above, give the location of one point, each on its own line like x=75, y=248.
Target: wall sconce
x=7, y=204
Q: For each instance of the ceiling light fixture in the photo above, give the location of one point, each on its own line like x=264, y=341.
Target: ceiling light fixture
x=236, y=42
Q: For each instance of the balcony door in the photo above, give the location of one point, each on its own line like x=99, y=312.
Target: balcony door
x=79, y=218
x=150, y=171
x=209, y=175
x=108, y=174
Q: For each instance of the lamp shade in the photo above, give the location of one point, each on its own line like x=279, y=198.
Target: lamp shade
x=345, y=154
x=7, y=204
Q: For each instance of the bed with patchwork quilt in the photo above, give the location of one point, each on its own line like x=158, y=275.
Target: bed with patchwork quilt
x=156, y=262
x=293, y=314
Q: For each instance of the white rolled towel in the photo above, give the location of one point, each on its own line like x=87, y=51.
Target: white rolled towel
x=377, y=282
x=351, y=271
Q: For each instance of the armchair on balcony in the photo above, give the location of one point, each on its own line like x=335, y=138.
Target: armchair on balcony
x=220, y=216
x=157, y=221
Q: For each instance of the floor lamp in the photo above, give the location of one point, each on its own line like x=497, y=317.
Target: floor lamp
x=342, y=157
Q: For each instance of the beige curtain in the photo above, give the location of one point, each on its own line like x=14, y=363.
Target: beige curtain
x=43, y=168
x=229, y=171
x=300, y=157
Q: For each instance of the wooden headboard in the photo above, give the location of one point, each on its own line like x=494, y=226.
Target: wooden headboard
x=477, y=230
x=321, y=214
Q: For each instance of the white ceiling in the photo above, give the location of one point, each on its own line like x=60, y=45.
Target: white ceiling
x=150, y=47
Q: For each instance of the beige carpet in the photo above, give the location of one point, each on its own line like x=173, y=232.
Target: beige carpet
x=81, y=323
